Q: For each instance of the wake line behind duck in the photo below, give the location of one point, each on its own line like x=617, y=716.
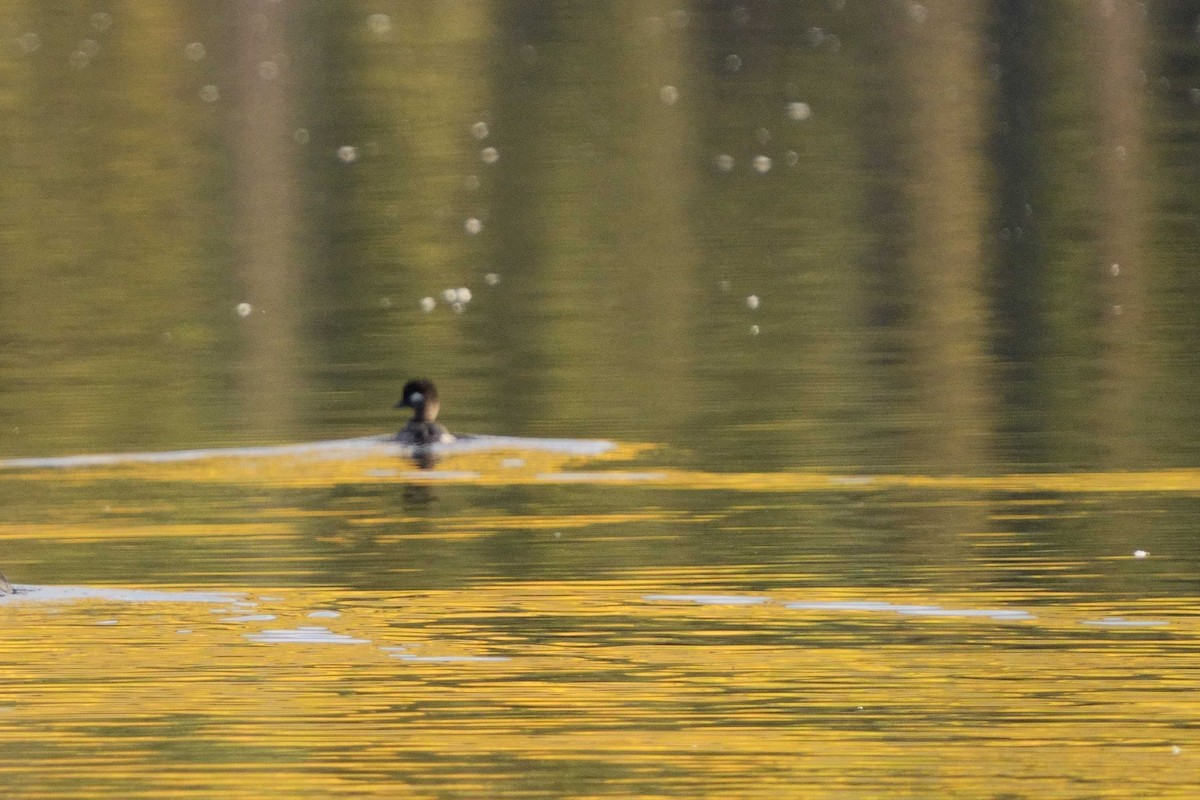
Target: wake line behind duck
x=422, y=435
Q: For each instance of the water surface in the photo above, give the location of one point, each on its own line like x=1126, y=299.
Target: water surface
x=841, y=358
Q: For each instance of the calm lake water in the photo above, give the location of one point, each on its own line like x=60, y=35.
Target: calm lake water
x=847, y=350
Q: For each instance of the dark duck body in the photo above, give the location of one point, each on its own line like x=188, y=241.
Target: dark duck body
x=422, y=397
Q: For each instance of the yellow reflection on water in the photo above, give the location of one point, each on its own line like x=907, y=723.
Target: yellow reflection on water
x=593, y=687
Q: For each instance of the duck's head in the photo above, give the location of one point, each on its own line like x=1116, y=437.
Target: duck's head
x=422, y=397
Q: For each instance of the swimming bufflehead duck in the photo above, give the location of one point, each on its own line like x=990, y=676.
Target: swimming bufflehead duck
x=422, y=397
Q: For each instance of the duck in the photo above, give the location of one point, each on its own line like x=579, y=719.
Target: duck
x=422, y=397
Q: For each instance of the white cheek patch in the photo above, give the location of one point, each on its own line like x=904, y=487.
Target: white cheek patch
x=416, y=397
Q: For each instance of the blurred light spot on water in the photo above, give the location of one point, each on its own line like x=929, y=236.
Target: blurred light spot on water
x=29, y=42
x=1121, y=622
x=799, y=111
x=910, y=609
x=301, y=136
x=471, y=183
x=669, y=95
x=304, y=634
x=491, y=279
x=724, y=162
x=740, y=15
x=324, y=614
x=250, y=618
x=463, y=294
x=450, y=295
x=792, y=158
x=752, y=302
x=733, y=62
x=244, y=309
x=473, y=226
x=210, y=93
x=489, y=155
x=762, y=164
x=379, y=24
x=428, y=304
x=348, y=153
x=1140, y=553
x=195, y=51
x=917, y=13
x=480, y=130
x=79, y=59
x=101, y=21
x=754, y=330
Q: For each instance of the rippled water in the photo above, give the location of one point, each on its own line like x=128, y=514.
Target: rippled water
x=832, y=367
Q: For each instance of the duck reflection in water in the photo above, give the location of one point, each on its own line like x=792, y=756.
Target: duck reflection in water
x=423, y=429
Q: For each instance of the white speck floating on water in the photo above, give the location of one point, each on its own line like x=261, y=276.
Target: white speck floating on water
x=244, y=309
x=752, y=302
x=799, y=111
x=385, y=302
x=1140, y=553
x=450, y=295
x=489, y=155
x=733, y=62
x=1114, y=270
x=491, y=279
x=347, y=153
x=724, y=162
x=195, y=51
x=29, y=42
x=762, y=164
x=463, y=294
x=754, y=330
x=473, y=226
x=101, y=21
x=210, y=93
x=480, y=130
x=669, y=95
x=428, y=304
x=379, y=24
